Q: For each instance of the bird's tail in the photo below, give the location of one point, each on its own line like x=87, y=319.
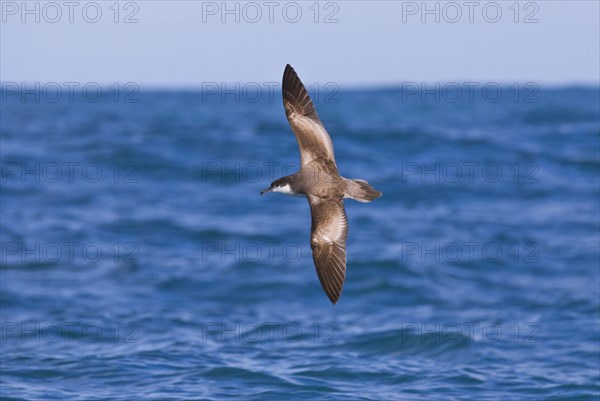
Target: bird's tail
x=360, y=190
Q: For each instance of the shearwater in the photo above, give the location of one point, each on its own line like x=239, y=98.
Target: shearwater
x=320, y=182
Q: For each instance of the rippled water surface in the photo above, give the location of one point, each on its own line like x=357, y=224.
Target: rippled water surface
x=140, y=262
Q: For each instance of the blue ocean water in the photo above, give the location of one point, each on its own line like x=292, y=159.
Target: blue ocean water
x=140, y=262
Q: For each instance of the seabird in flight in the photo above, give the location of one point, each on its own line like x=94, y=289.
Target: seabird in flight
x=320, y=182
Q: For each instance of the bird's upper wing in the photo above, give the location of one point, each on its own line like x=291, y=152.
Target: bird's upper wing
x=328, y=237
x=313, y=139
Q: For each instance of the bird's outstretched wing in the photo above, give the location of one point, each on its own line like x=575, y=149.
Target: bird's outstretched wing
x=328, y=237
x=313, y=139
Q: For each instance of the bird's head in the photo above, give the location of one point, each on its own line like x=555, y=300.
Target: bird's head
x=280, y=185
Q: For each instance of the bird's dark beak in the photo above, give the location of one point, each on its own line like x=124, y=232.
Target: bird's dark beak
x=264, y=191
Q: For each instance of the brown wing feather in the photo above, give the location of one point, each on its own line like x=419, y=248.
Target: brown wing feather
x=313, y=139
x=328, y=242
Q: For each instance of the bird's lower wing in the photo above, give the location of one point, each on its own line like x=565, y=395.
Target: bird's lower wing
x=328, y=242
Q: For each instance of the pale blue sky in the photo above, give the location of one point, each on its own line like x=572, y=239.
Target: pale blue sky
x=185, y=43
